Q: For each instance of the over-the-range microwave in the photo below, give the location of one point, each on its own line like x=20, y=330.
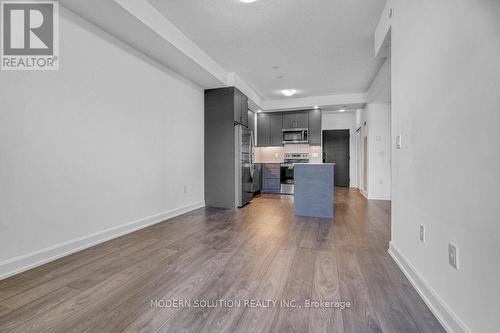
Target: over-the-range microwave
x=295, y=135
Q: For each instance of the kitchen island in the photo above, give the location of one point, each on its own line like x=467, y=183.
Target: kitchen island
x=314, y=189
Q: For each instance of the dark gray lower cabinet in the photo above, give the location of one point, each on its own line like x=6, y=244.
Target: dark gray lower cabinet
x=271, y=178
x=271, y=185
x=257, y=178
x=315, y=127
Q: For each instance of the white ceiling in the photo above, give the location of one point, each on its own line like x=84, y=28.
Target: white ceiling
x=322, y=47
x=111, y=17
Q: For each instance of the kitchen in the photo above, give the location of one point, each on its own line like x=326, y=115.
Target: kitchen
x=248, y=153
x=285, y=138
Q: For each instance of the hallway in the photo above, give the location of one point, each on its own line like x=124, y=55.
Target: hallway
x=261, y=252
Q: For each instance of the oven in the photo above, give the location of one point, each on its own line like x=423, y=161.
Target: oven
x=287, y=170
x=286, y=178
x=297, y=135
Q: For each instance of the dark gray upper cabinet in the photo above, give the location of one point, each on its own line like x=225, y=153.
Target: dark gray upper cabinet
x=240, y=107
x=276, y=128
x=288, y=120
x=302, y=120
x=263, y=129
x=244, y=109
x=315, y=127
x=295, y=120
x=270, y=126
x=251, y=121
x=269, y=129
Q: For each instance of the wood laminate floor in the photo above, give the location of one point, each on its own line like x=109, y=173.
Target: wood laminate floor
x=261, y=252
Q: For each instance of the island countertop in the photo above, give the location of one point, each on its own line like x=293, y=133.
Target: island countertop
x=314, y=190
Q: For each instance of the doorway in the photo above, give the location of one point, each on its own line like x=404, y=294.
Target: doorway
x=365, y=164
x=356, y=139
x=336, y=150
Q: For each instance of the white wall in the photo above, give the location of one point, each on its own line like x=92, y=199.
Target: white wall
x=331, y=120
x=358, y=118
x=380, y=88
x=90, y=149
x=445, y=95
x=378, y=131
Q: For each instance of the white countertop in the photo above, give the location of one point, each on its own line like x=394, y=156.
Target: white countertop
x=316, y=163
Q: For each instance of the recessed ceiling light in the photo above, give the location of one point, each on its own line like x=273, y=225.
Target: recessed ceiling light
x=259, y=111
x=248, y=1
x=342, y=110
x=288, y=92
x=316, y=107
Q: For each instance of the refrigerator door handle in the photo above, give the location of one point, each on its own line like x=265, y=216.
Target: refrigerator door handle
x=250, y=146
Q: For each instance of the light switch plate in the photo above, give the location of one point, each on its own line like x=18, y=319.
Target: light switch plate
x=398, y=141
x=452, y=256
x=422, y=233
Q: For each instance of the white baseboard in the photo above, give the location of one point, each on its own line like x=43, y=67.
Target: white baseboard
x=27, y=261
x=373, y=196
x=447, y=318
x=378, y=197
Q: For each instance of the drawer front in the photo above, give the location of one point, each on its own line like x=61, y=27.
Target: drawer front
x=272, y=171
x=271, y=185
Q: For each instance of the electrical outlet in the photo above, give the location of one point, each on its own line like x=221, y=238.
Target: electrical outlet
x=422, y=233
x=453, y=256
x=185, y=189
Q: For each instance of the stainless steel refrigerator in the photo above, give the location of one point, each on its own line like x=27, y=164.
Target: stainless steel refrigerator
x=244, y=167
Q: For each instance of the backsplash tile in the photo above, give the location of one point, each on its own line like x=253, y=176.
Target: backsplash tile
x=269, y=154
x=296, y=148
x=315, y=154
x=277, y=154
